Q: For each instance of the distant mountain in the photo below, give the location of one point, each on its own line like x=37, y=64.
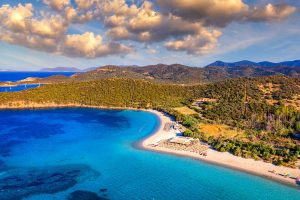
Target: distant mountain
x=177, y=73
x=182, y=74
x=174, y=73
x=233, y=64
x=61, y=69
x=295, y=63
x=67, y=69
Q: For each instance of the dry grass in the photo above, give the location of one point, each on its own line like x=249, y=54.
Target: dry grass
x=269, y=88
x=185, y=110
x=294, y=102
x=205, y=100
x=217, y=130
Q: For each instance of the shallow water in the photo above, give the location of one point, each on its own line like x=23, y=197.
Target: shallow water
x=88, y=154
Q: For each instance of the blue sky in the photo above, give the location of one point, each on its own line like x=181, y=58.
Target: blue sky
x=251, y=39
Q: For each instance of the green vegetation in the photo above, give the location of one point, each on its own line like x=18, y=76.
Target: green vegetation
x=177, y=73
x=268, y=130
x=108, y=92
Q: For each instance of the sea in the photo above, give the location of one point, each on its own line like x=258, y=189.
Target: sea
x=90, y=154
x=17, y=76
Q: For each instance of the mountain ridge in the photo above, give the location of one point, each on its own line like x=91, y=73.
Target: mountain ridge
x=66, y=69
x=181, y=74
x=294, y=63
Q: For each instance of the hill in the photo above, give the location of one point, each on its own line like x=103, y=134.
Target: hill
x=174, y=73
x=252, y=69
x=183, y=74
x=295, y=63
x=258, y=117
x=66, y=69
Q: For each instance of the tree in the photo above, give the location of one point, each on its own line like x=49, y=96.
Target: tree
x=190, y=122
x=188, y=133
x=298, y=126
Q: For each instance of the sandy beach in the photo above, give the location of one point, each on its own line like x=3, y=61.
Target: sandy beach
x=251, y=166
x=258, y=168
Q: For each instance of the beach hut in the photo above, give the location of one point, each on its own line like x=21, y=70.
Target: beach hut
x=182, y=140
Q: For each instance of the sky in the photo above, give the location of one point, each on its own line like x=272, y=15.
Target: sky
x=37, y=34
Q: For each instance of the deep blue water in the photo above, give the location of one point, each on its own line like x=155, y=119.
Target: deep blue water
x=16, y=76
x=18, y=88
x=88, y=154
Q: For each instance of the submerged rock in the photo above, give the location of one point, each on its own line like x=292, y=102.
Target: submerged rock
x=84, y=195
x=7, y=145
x=12, y=138
x=22, y=182
x=103, y=190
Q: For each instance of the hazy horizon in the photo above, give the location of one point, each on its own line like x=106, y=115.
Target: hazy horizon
x=91, y=67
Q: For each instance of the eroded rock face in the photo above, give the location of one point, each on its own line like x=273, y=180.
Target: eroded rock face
x=19, y=183
x=84, y=195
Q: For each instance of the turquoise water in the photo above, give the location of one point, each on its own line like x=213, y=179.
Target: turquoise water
x=88, y=154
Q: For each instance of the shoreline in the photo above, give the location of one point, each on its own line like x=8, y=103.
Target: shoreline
x=227, y=160
x=20, y=105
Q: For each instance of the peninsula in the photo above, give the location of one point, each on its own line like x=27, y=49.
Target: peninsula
x=238, y=119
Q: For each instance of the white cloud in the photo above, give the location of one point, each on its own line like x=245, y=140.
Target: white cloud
x=48, y=33
x=201, y=44
x=191, y=26
x=222, y=12
x=90, y=46
x=148, y=25
x=85, y=4
x=118, y=32
x=270, y=12
x=49, y=27
x=16, y=18
x=57, y=4
x=212, y=12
